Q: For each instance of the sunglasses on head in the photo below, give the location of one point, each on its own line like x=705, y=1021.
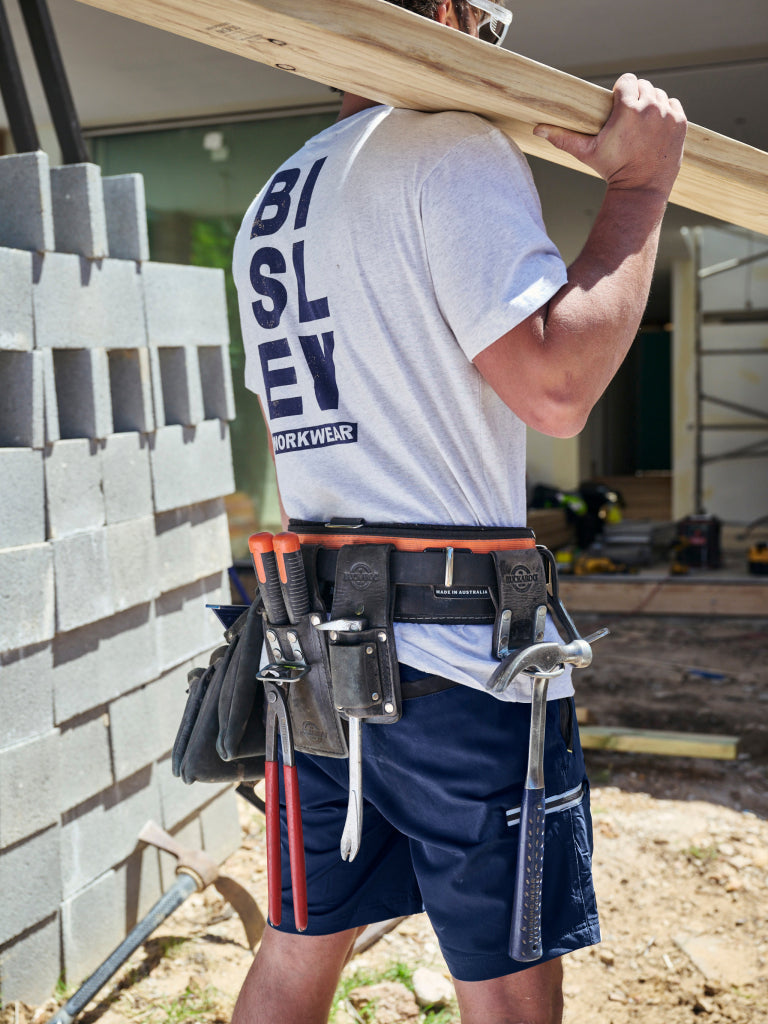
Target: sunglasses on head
x=493, y=20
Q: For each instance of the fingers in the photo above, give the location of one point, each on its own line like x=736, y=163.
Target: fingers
x=639, y=93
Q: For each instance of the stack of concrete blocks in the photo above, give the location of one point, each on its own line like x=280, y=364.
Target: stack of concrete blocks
x=115, y=399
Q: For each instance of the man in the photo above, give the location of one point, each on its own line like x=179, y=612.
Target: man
x=405, y=317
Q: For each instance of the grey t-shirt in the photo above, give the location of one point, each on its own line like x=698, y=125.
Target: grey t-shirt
x=373, y=267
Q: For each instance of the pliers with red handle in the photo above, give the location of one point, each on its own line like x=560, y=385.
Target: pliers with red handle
x=276, y=679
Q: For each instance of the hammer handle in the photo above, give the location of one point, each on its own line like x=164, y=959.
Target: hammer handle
x=525, y=939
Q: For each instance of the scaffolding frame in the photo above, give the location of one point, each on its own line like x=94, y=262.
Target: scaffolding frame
x=759, y=417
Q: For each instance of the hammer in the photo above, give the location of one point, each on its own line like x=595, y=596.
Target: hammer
x=195, y=871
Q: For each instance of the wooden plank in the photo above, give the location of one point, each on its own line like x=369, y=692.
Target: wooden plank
x=649, y=741
x=637, y=595
x=388, y=54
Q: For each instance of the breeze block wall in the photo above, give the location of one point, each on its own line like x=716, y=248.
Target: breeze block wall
x=115, y=397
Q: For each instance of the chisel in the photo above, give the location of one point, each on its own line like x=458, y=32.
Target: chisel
x=265, y=563
x=290, y=566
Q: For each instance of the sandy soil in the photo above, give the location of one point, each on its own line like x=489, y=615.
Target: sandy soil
x=681, y=862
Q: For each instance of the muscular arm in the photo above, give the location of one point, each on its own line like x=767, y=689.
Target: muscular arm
x=553, y=367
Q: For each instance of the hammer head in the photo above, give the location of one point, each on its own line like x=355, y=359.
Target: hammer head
x=205, y=872
x=197, y=863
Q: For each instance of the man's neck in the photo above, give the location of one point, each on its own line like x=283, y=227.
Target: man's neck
x=352, y=104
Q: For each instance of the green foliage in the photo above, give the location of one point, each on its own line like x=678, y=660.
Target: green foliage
x=63, y=990
x=399, y=972
x=210, y=245
x=703, y=855
x=186, y=1008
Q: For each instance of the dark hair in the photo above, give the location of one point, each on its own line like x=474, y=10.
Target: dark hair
x=428, y=9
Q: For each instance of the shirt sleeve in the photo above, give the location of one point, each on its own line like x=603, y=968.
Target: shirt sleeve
x=491, y=260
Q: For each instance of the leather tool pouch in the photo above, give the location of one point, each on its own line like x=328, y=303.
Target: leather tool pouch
x=231, y=675
x=317, y=726
x=522, y=593
x=364, y=670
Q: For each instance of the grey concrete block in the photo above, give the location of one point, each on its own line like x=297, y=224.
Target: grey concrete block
x=22, y=423
x=130, y=383
x=180, y=801
x=81, y=303
x=22, y=508
x=83, y=394
x=26, y=694
x=106, y=833
x=30, y=967
x=26, y=212
x=180, y=383
x=50, y=402
x=220, y=823
x=74, y=495
x=82, y=578
x=191, y=465
x=192, y=542
x=85, y=766
x=92, y=924
x=211, y=546
x=126, y=210
x=16, y=325
x=173, y=538
x=185, y=305
x=29, y=788
x=185, y=627
x=79, y=222
x=216, y=378
x=135, y=732
x=131, y=555
x=26, y=596
x=213, y=458
x=167, y=697
x=30, y=883
x=126, y=477
x=124, y=894
x=101, y=661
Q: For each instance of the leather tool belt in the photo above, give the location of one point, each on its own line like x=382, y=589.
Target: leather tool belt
x=355, y=580
x=445, y=575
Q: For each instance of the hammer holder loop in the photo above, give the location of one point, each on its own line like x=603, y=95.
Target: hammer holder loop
x=364, y=669
x=521, y=588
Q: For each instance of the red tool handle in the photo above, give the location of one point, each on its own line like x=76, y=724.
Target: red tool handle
x=265, y=563
x=274, y=877
x=290, y=565
x=296, y=847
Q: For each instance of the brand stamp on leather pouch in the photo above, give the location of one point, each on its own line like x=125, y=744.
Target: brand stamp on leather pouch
x=522, y=578
x=361, y=576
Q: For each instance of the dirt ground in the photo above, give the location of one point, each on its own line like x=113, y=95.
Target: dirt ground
x=681, y=864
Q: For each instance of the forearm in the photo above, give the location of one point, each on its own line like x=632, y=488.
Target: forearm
x=553, y=367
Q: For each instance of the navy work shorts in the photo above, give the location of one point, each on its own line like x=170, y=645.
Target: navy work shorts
x=442, y=790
